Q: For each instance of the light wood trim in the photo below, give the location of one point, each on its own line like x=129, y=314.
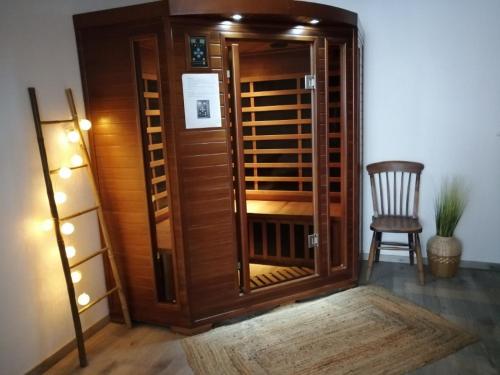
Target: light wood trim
x=240, y=169
x=149, y=77
x=157, y=180
x=152, y=112
x=278, y=195
x=278, y=151
x=267, y=108
x=151, y=95
x=155, y=146
x=162, y=212
x=276, y=137
x=160, y=195
x=153, y=129
x=262, y=78
x=277, y=122
x=278, y=179
x=157, y=163
x=279, y=165
x=256, y=94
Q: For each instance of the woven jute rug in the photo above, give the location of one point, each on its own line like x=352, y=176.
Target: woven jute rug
x=365, y=330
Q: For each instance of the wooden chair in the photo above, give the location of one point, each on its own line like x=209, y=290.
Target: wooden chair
x=395, y=194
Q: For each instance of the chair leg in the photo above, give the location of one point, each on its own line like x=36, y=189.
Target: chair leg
x=379, y=240
x=373, y=250
x=411, y=245
x=420, y=263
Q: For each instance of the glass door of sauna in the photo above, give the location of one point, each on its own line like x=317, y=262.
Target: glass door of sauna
x=146, y=62
x=272, y=131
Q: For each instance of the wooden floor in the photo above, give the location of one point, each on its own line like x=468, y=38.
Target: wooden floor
x=472, y=300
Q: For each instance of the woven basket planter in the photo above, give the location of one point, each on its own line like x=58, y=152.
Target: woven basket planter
x=444, y=256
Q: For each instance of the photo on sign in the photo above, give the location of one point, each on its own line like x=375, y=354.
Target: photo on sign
x=203, y=108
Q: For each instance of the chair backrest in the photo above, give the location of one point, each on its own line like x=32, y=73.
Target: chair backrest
x=395, y=187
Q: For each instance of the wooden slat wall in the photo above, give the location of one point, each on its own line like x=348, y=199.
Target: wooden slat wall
x=116, y=141
x=111, y=99
x=335, y=145
x=282, y=72
x=206, y=190
x=280, y=171
x=159, y=193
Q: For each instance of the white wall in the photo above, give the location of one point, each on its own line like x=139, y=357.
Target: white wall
x=432, y=94
x=37, y=48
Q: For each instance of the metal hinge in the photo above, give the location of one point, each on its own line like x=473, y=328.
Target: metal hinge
x=313, y=240
x=238, y=266
x=309, y=81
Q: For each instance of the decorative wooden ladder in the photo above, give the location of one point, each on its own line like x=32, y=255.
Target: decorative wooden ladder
x=57, y=220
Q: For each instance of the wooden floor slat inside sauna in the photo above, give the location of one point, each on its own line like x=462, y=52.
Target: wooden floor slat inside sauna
x=263, y=275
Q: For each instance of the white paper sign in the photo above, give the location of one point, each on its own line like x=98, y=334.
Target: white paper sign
x=201, y=100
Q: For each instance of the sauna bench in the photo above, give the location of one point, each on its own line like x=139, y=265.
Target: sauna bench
x=287, y=208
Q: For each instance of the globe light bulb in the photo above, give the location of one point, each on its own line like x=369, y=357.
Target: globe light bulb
x=76, y=276
x=67, y=228
x=65, y=173
x=60, y=197
x=76, y=160
x=237, y=17
x=314, y=21
x=70, y=251
x=46, y=225
x=85, y=124
x=83, y=299
x=73, y=136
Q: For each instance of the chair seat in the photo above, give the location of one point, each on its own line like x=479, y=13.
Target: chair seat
x=396, y=224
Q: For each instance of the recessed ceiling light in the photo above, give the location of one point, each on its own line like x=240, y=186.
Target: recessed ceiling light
x=237, y=17
x=314, y=21
x=226, y=25
x=299, y=29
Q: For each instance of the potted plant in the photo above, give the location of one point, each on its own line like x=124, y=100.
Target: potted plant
x=444, y=250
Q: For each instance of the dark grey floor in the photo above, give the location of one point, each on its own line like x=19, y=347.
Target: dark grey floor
x=471, y=299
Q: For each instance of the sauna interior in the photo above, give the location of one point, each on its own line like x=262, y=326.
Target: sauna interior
x=242, y=215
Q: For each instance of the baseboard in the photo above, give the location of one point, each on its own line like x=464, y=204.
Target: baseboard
x=68, y=348
x=463, y=264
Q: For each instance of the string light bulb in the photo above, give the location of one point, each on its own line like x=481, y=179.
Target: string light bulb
x=85, y=124
x=237, y=17
x=60, y=197
x=76, y=276
x=67, y=228
x=314, y=21
x=76, y=160
x=73, y=136
x=46, y=225
x=70, y=251
x=83, y=299
x=65, y=173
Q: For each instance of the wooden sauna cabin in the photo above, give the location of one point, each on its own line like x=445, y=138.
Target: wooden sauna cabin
x=227, y=152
